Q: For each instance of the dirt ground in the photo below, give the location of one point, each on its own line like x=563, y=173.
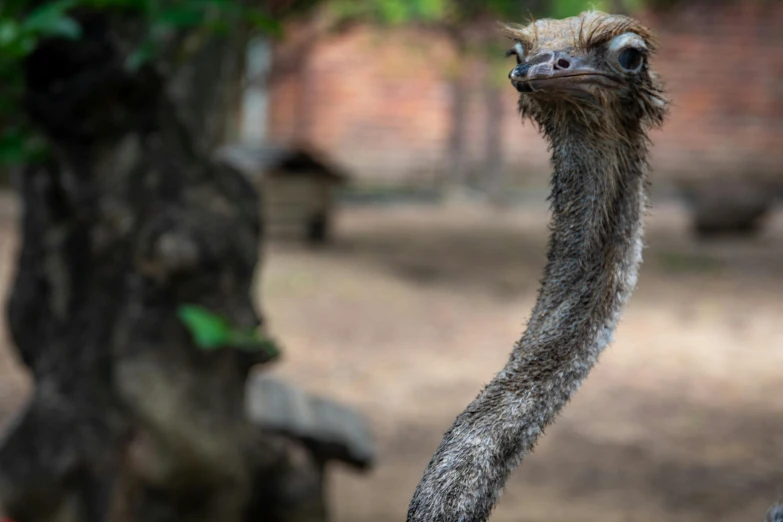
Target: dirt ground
x=411, y=310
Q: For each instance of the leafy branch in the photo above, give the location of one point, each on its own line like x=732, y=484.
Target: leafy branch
x=23, y=26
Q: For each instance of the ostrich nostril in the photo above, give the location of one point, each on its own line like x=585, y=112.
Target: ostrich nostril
x=562, y=63
x=519, y=72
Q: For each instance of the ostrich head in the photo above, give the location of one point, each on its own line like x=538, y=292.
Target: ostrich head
x=591, y=69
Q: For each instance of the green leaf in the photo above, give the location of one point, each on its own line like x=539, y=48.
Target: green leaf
x=565, y=8
x=9, y=31
x=263, y=23
x=186, y=15
x=254, y=342
x=11, y=147
x=47, y=16
x=18, y=145
x=104, y=4
x=226, y=6
x=141, y=55
x=212, y=332
x=270, y=347
x=65, y=27
x=209, y=331
x=18, y=47
x=432, y=9
x=394, y=11
x=218, y=26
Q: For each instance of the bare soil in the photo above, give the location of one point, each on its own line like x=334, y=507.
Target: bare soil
x=412, y=310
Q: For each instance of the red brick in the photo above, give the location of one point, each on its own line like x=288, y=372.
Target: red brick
x=380, y=99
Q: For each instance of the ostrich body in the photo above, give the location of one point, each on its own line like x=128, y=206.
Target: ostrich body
x=586, y=83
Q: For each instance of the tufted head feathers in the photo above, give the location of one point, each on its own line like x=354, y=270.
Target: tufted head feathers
x=591, y=69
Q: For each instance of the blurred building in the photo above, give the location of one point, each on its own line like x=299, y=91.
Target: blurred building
x=724, y=67
x=297, y=186
x=379, y=101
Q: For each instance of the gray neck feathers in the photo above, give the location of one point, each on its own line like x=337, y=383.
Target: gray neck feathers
x=594, y=251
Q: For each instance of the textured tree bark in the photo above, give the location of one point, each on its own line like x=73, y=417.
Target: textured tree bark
x=127, y=221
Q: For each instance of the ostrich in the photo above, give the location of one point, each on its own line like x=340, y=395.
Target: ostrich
x=586, y=82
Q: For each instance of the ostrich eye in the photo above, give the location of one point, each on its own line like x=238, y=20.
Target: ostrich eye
x=631, y=59
x=513, y=53
x=518, y=50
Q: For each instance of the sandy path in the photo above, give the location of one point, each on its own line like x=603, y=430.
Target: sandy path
x=412, y=310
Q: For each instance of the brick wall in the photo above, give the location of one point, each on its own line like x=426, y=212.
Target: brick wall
x=724, y=68
x=378, y=100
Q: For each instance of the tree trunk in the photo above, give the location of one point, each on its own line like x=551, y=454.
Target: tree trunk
x=128, y=221
x=493, y=171
x=457, y=154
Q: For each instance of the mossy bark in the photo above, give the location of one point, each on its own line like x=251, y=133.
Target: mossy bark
x=128, y=220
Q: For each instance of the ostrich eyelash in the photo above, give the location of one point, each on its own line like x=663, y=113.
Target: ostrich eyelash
x=518, y=50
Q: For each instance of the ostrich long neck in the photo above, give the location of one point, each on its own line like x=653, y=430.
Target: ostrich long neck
x=594, y=252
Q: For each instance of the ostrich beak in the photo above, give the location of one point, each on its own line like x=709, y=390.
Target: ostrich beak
x=558, y=72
